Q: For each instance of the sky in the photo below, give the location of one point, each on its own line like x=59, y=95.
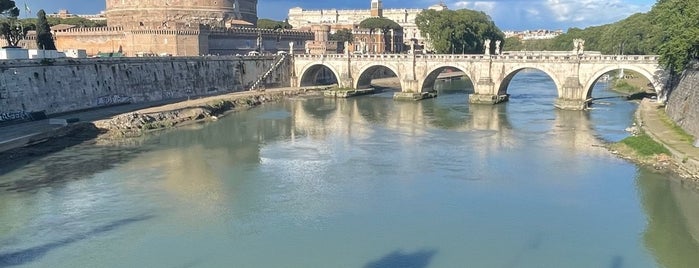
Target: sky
x=507, y=14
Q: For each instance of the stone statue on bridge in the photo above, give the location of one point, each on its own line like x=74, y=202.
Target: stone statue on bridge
x=345, y=49
x=578, y=46
x=291, y=48
x=486, y=44
x=497, y=47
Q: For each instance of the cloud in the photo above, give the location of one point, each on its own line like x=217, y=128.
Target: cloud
x=554, y=14
x=592, y=11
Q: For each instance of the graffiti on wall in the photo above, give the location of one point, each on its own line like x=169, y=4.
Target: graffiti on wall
x=113, y=100
x=13, y=115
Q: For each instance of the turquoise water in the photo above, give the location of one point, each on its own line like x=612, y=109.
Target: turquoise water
x=365, y=182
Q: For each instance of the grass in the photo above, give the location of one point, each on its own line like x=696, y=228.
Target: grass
x=684, y=136
x=623, y=86
x=644, y=145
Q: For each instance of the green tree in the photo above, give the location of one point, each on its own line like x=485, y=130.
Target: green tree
x=44, y=38
x=680, y=27
x=458, y=31
x=272, y=24
x=384, y=26
x=10, y=28
x=342, y=35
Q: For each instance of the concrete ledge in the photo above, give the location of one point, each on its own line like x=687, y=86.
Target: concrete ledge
x=570, y=104
x=487, y=98
x=411, y=96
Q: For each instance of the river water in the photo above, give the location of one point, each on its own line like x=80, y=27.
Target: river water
x=364, y=182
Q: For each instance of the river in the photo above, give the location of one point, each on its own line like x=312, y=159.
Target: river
x=364, y=182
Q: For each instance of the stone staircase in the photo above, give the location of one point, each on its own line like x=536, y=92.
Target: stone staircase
x=261, y=79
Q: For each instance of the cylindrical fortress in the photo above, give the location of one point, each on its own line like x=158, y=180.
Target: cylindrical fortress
x=178, y=13
x=248, y=10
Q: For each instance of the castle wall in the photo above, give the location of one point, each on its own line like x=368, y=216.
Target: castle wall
x=74, y=84
x=93, y=40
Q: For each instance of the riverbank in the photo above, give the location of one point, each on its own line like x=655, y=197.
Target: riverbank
x=137, y=123
x=683, y=157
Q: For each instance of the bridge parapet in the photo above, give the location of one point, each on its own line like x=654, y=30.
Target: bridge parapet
x=505, y=57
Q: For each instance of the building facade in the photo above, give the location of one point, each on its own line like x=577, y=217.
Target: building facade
x=302, y=19
x=179, y=28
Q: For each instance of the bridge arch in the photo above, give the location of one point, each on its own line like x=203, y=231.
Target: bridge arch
x=310, y=73
x=654, y=80
x=509, y=74
x=366, y=74
x=429, y=81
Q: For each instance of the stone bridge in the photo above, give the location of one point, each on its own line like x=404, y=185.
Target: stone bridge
x=574, y=75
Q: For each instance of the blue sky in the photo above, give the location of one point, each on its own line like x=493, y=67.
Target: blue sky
x=507, y=14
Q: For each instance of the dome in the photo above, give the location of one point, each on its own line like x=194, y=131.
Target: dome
x=156, y=14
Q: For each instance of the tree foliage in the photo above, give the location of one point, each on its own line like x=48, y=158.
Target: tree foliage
x=44, y=38
x=10, y=28
x=382, y=24
x=8, y=9
x=679, y=24
x=342, y=35
x=272, y=24
x=458, y=31
x=670, y=29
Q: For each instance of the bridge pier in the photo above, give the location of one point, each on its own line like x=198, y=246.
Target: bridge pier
x=487, y=98
x=410, y=90
x=571, y=104
x=485, y=93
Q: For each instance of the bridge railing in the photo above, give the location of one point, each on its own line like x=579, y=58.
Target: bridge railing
x=482, y=57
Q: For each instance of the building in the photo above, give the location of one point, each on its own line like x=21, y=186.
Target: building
x=65, y=14
x=364, y=42
x=534, y=34
x=302, y=19
x=178, y=28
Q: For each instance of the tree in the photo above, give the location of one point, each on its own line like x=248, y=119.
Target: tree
x=44, y=38
x=342, y=36
x=458, y=31
x=384, y=25
x=272, y=24
x=680, y=28
x=11, y=28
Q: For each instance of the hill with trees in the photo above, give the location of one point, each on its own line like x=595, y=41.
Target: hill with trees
x=670, y=29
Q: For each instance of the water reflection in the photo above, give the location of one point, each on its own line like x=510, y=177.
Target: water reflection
x=355, y=181
x=672, y=233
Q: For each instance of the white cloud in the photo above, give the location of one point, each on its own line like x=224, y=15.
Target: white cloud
x=485, y=6
x=592, y=11
x=554, y=14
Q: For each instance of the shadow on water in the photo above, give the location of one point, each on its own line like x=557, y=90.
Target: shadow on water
x=617, y=262
x=71, y=136
x=29, y=255
x=398, y=259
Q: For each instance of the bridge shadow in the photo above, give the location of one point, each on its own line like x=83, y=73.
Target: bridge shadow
x=26, y=256
x=398, y=259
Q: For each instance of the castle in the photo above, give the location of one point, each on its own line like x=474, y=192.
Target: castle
x=337, y=19
x=179, y=28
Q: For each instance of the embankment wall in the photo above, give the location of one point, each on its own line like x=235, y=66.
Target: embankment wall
x=64, y=85
x=683, y=102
